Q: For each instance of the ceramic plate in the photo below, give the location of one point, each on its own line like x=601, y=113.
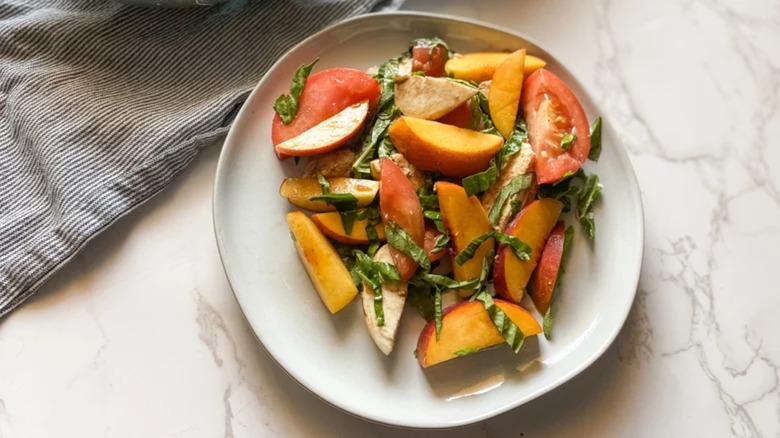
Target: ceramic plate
x=333, y=355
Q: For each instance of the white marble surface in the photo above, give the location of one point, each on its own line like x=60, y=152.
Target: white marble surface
x=140, y=335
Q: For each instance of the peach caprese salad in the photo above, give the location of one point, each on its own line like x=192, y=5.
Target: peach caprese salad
x=438, y=173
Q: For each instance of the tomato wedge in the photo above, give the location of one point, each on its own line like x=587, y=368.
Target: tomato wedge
x=430, y=60
x=552, y=111
x=431, y=234
x=398, y=202
x=326, y=94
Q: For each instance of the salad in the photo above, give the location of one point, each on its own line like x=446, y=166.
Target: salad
x=438, y=173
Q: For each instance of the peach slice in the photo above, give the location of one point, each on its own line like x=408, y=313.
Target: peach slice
x=465, y=219
x=532, y=225
x=299, y=191
x=330, y=224
x=326, y=135
x=545, y=277
x=323, y=264
x=434, y=146
x=466, y=326
x=504, y=96
x=481, y=66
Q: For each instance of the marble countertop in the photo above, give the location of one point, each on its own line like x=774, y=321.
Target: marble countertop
x=141, y=336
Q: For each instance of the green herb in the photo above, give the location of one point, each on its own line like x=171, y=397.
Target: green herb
x=443, y=281
x=563, y=190
x=513, y=144
x=479, y=182
x=487, y=122
x=429, y=202
x=589, y=193
x=345, y=203
x=518, y=183
x=437, y=311
x=441, y=243
x=508, y=329
x=471, y=248
x=547, y=323
x=521, y=250
x=476, y=113
x=373, y=274
x=466, y=351
x=421, y=298
x=372, y=218
x=595, y=140
x=418, y=73
x=386, y=112
x=287, y=105
x=399, y=239
x=567, y=141
x=469, y=84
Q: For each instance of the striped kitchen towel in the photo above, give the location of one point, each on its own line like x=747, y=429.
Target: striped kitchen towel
x=102, y=105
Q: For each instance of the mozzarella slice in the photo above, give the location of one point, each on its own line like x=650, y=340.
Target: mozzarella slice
x=393, y=299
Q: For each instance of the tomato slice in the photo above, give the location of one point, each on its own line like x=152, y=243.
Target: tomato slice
x=430, y=60
x=398, y=202
x=326, y=94
x=551, y=111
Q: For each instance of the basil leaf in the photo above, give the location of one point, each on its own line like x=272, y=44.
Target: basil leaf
x=444, y=281
x=386, y=112
x=429, y=202
x=547, y=323
x=287, y=105
x=435, y=216
x=466, y=351
x=324, y=184
x=421, y=298
x=471, y=248
x=476, y=113
x=567, y=141
x=398, y=238
x=513, y=144
x=589, y=193
x=595, y=140
x=442, y=241
x=348, y=220
x=479, y=182
x=508, y=329
x=521, y=250
x=342, y=201
x=516, y=184
x=487, y=122
x=374, y=273
x=437, y=311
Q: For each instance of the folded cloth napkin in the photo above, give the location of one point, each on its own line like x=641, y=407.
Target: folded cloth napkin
x=102, y=105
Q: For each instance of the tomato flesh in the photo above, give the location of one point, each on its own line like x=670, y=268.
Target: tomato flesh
x=325, y=94
x=430, y=60
x=551, y=110
x=398, y=202
x=431, y=234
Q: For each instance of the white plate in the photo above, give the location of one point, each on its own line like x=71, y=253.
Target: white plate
x=333, y=356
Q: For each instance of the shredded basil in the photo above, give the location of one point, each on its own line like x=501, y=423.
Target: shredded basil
x=518, y=183
x=441, y=243
x=399, y=239
x=444, y=281
x=287, y=105
x=595, y=140
x=479, y=182
x=589, y=193
x=567, y=141
x=476, y=113
x=345, y=203
x=466, y=351
x=487, y=122
x=437, y=311
x=373, y=274
x=521, y=250
x=375, y=140
x=324, y=184
x=508, y=329
x=547, y=323
x=513, y=144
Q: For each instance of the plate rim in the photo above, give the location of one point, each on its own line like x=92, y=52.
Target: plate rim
x=220, y=177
